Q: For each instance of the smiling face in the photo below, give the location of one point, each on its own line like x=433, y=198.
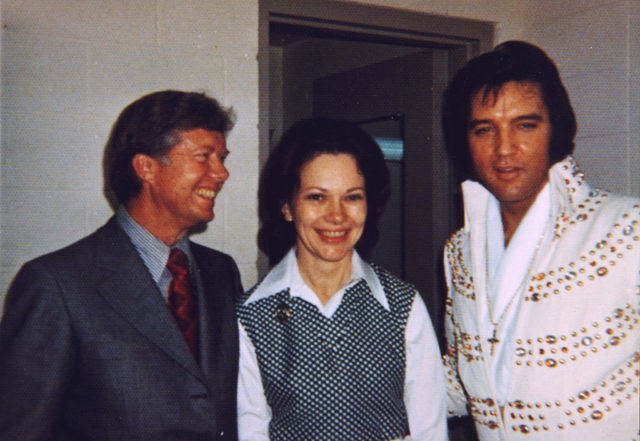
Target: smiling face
x=509, y=142
x=329, y=209
x=183, y=184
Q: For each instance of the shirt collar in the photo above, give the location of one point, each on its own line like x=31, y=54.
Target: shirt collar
x=286, y=275
x=566, y=184
x=153, y=252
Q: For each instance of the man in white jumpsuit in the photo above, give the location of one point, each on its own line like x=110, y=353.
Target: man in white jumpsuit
x=542, y=315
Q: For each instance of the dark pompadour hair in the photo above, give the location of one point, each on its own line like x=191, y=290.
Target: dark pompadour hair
x=510, y=61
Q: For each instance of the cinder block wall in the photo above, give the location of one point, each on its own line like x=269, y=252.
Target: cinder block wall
x=597, y=47
x=68, y=68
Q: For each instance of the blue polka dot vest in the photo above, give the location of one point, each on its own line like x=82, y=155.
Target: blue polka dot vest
x=338, y=378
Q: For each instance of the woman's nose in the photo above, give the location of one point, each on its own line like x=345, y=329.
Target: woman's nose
x=336, y=213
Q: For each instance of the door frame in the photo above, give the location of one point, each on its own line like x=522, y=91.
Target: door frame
x=464, y=36
x=462, y=39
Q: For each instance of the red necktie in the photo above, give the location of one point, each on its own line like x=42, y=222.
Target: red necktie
x=181, y=299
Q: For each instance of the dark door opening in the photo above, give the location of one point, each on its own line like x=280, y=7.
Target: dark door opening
x=363, y=76
x=385, y=69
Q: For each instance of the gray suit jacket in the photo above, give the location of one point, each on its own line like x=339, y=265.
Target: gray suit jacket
x=90, y=351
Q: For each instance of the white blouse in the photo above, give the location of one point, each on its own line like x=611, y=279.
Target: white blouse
x=424, y=391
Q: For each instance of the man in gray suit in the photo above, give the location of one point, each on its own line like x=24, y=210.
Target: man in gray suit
x=130, y=333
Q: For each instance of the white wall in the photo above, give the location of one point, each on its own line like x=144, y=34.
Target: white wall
x=70, y=66
x=597, y=47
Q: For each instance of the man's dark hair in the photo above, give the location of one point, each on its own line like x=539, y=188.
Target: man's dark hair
x=280, y=179
x=510, y=61
x=151, y=125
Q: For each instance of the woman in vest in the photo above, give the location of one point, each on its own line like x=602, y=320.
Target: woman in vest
x=332, y=348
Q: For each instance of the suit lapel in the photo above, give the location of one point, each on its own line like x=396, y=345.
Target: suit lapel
x=208, y=313
x=217, y=312
x=133, y=294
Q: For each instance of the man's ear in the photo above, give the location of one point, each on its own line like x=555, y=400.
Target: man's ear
x=145, y=167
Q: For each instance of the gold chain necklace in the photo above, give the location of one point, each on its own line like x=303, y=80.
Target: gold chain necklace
x=494, y=337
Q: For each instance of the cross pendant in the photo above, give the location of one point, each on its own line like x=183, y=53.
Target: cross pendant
x=494, y=339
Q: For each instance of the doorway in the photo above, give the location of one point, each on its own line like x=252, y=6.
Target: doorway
x=367, y=64
x=384, y=69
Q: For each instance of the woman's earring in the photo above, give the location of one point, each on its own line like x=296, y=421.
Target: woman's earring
x=287, y=217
